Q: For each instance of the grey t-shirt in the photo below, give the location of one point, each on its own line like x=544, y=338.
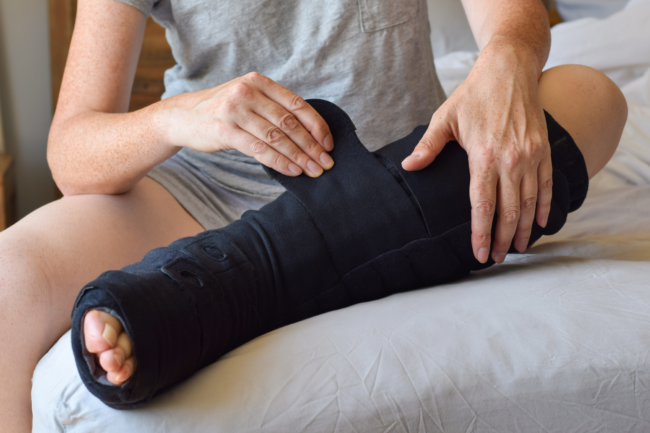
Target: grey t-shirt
x=373, y=58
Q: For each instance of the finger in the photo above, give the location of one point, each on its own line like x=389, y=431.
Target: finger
x=528, y=202
x=482, y=194
x=544, y=189
x=508, y=213
x=294, y=130
x=250, y=145
x=274, y=138
x=305, y=113
x=430, y=145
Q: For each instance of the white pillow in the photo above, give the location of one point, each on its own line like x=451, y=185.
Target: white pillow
x=616, y=46
x=575, y=9
x=450, y=30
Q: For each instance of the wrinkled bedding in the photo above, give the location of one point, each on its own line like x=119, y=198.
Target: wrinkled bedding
x=554, y=340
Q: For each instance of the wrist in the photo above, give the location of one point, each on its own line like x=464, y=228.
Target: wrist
x=504, y=54
x=167, y=120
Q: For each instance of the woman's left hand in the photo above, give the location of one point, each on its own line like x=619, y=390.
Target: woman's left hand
x=497, y=118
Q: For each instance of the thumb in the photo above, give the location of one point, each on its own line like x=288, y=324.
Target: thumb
x=431, y=144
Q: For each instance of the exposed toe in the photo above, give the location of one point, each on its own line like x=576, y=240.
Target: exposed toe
x=123, y=374
x=112, y=360
x=104, y=336
x=101, y=331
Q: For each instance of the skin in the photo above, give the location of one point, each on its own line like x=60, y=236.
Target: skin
x=584, y=101
x=96, y=147
x=112, y=214
x=497, y=117
x=50, y=254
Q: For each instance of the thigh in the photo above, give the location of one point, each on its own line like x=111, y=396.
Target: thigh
x=589, y=106
x=48, y=256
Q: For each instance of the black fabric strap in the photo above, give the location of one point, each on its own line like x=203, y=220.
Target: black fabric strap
x=363, y=230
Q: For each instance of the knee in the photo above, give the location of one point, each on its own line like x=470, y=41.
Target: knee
x=587, y=89
x=590, y=106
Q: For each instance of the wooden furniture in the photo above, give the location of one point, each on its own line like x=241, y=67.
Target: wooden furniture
x=155, y=57
x=553, y=15
x=7, y=192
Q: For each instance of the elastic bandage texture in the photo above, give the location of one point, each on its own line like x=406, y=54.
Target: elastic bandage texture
x=363, y=230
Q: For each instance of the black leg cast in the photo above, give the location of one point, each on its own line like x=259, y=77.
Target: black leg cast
x=364, y=230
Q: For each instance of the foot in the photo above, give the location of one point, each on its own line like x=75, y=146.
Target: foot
x=104, y=336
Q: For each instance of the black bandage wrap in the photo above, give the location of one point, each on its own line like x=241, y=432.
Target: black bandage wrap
x=363, y=230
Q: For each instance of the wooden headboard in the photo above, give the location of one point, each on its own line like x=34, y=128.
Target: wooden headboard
x=155, y=57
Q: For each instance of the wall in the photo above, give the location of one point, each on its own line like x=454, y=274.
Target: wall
x=25, y=97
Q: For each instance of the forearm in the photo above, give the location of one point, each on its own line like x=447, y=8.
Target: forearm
x=506, y=27
x=92, y=152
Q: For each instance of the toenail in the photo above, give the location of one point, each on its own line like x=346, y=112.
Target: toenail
x=125, y=374
x=109, y=334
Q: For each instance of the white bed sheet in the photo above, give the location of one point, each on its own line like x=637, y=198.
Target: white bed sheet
x=618, y=46
x=555, y=340
x=575, y=9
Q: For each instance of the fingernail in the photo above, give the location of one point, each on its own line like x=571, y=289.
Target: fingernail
x=414, y=156
x=522, y=244
x=314, y=168
x=500, y=257
x=109, y=334
x=328, y=142
x=482, y=255
x=118, y=359
x=544, y=221
x=326, y=160
x=293, y=168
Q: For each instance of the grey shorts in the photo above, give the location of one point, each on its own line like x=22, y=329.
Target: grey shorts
x=212, y=203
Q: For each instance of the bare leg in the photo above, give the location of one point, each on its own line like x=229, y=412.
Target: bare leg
x=589, y=106
x=582, y=100
x=47, y=257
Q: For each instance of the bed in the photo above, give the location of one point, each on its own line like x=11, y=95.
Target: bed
x=554, y=340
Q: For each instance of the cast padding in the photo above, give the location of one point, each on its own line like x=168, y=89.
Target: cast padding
x=364, y=230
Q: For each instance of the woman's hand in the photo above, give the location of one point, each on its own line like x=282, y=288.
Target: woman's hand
x=97, y=147
x=258, y=117
x=497, y=118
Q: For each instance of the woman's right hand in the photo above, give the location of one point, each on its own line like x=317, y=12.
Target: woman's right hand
x=256, y=116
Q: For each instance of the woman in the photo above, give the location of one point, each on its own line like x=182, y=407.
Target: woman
x=370, y=57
